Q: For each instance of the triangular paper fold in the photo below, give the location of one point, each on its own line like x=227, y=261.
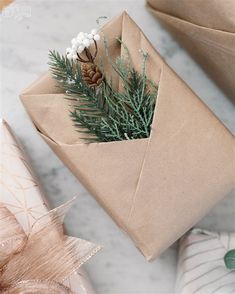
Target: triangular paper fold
x=151, y=187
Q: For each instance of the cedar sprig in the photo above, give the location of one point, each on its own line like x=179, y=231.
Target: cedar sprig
x=105, y=114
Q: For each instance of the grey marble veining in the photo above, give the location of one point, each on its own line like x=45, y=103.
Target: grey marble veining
x=28, y=30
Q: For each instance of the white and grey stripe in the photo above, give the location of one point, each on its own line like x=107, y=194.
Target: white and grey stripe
x=201, y=268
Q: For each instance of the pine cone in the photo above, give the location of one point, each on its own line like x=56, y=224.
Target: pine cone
x=92, y=75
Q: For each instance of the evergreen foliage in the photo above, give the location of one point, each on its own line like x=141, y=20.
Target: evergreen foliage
x=103, y=114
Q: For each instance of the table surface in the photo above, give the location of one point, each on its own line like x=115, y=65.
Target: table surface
x=28, y=30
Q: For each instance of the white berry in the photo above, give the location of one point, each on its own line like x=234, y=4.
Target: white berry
x=80, y=49
x=80, y=42
x=70, y=56
x=74, y=41
x=80, y=37
x=74, y=47
x=96, y=37
x=75, y=57
x=68, y=50
x=86, y=42
x=94, y=31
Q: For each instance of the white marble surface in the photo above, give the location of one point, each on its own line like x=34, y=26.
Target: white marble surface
x=28, y=30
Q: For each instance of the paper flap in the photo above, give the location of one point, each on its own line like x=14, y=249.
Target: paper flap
x=50, y=115
x=108, y=170
x=43, y=85
x=181, y=153
x=136, y=41
x=213, y=49
x=214, y=14
x=215, y=38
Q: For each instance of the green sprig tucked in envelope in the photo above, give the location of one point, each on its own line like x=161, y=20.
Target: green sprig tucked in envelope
x=100, y=111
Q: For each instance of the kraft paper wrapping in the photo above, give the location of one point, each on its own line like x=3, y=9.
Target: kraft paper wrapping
x=201, y=267
x=157, y=188
x=22, y=195
x=207, y=30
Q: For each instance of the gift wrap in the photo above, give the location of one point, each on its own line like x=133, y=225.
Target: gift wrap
x=207, y=30
x=201, y=267
x=156, y=188
x=21, y=194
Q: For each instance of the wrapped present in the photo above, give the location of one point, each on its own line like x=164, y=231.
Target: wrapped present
x=156, y=188
x=207, y=30
x=201, y=264
x=22, y=206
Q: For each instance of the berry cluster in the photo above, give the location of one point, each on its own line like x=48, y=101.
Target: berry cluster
x=80, y=43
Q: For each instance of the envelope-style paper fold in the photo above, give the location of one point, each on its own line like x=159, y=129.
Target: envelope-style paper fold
x=207, y=30
x=21, y=204
x=201, y=268
x=154, y=188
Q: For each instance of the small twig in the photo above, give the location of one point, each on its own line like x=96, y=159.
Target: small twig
x=81, y=59
x=88, y=54
x=96, y=50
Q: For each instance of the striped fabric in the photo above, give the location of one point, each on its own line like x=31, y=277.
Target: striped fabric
x=201, y=268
